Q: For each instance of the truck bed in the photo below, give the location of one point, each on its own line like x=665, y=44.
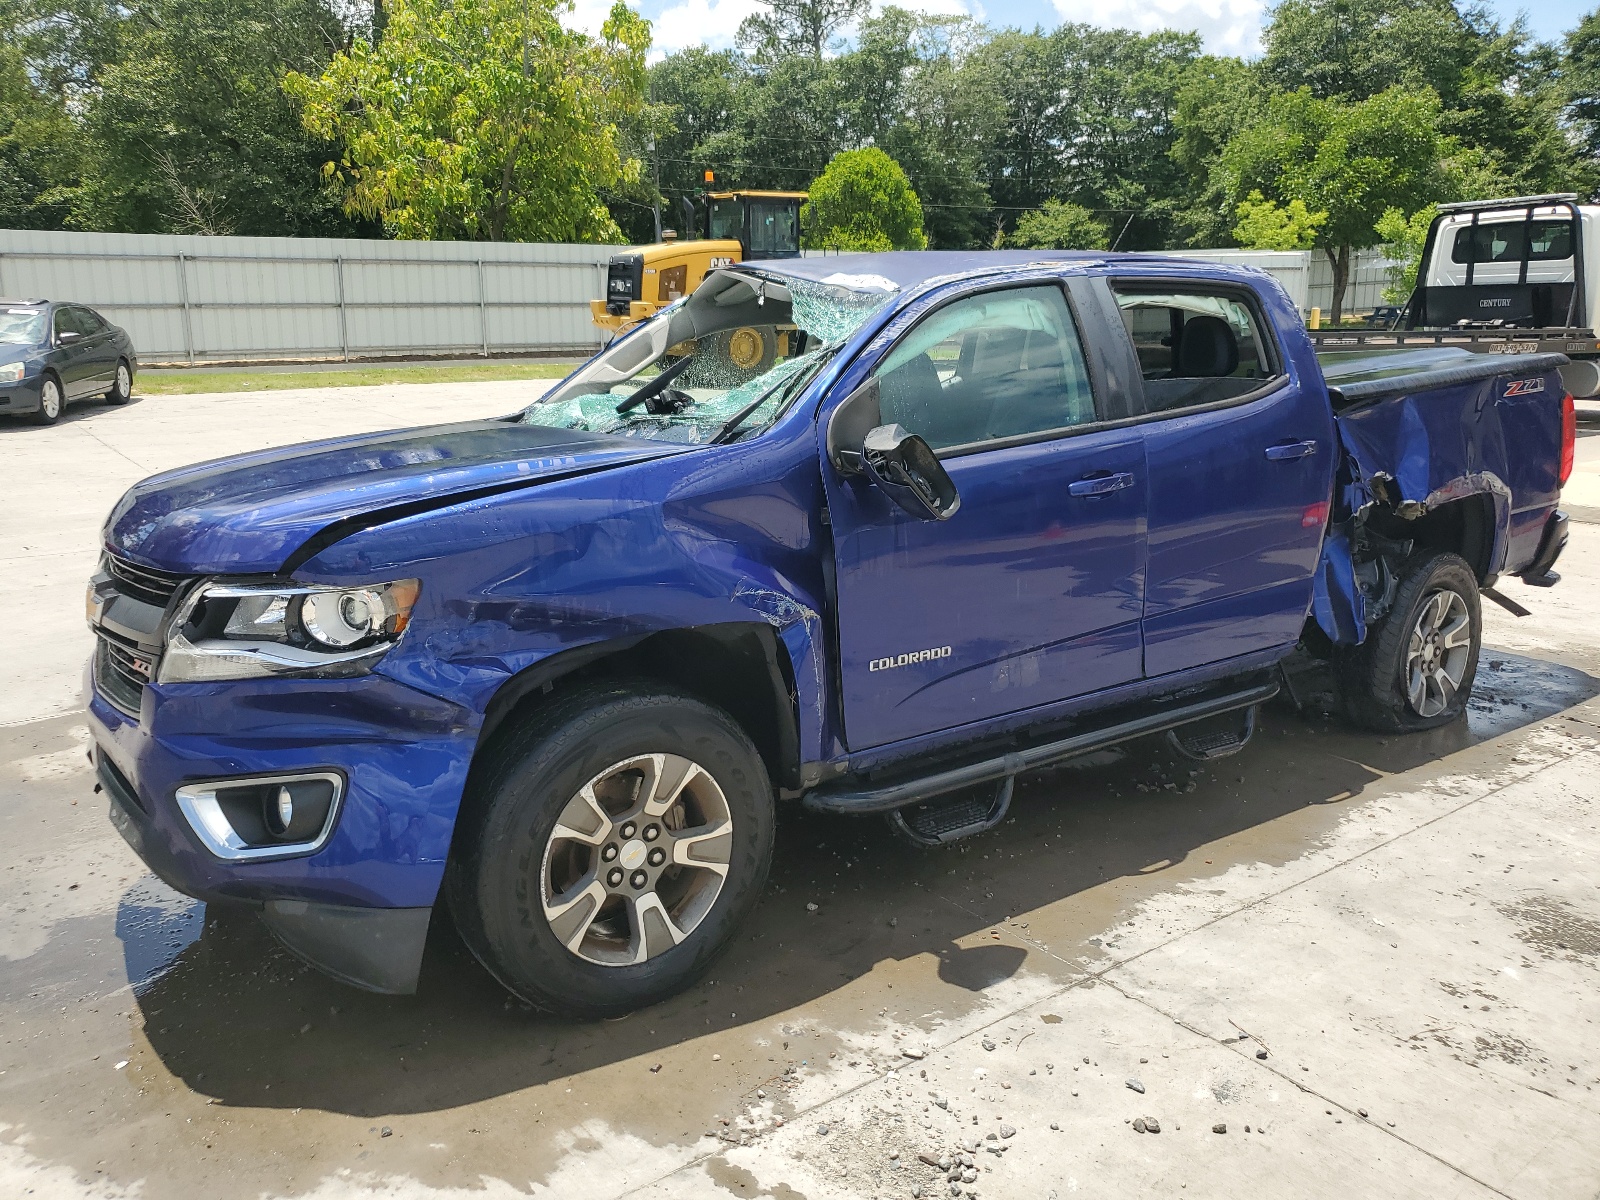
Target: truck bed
x=1477, y=341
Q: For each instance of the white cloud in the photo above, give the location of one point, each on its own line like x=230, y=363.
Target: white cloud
x=700, y=22
x=1228, y=26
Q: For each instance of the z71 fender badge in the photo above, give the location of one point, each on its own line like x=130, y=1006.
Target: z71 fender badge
x=1521, y=387
x=905, y=660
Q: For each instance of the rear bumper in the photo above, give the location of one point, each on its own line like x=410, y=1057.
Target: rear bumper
x=1551, y=544
x=357, y=908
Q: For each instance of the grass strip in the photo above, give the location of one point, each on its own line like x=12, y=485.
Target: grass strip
x=185, y=382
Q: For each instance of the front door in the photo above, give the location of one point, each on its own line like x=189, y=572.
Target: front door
x=1240, y=459
x=69, y=356
x=1032, y=591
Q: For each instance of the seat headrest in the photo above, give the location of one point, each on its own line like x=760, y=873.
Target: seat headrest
x=1207, y=349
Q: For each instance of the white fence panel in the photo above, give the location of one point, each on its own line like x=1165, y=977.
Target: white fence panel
x=233, y=299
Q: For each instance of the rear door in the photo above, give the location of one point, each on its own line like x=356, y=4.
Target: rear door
x=1032, y=591
x=1240, y=457
x=100, y=361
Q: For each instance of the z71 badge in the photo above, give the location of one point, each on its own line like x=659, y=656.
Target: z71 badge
x=1522, y=387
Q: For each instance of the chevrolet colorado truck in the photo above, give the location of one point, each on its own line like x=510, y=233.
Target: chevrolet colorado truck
x=552, y=674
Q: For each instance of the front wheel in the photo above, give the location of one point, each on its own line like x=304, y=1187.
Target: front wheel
x=609, y=849
x=51, y=401
x=1415, y=669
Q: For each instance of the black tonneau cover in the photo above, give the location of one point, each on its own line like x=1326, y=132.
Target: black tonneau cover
x=1355, y=377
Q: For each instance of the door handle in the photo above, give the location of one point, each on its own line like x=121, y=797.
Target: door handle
x=1100, y=484
x=1289, y=451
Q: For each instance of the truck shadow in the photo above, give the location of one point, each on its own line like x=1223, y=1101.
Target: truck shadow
x=240, y=1020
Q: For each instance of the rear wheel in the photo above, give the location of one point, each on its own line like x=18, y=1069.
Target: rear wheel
x=1416, y=668
x=608, y=850
x=121, y=384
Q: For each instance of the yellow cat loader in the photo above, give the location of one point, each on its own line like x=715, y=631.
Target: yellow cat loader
x=742, y=226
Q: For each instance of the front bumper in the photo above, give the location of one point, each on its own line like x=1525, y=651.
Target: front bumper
x=21, y=397
x=358, y=907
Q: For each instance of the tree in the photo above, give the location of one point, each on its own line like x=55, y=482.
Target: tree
x=188, y=131
x=1352, y=161
x=38, y=150
x=908, y=89
x=1265, y=225
x=1499, y=88
x=1353, y=49
x=863, y=201
x=1056, y=225
x=797, y=27
x=1581, y=83
x=1216, y=99
x=482, y=119
x=1403, y=241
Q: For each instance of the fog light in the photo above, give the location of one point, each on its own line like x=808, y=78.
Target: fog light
x=269, y=817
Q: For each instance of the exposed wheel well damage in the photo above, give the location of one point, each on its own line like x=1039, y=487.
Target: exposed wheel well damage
x=1364, y=556
x=741, y=667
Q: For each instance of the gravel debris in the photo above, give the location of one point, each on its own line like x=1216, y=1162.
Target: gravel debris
x=1138, y=1125
x=1006, y=1131
x=1219, y=1127
x=1135, y=1085
x=988, y=1043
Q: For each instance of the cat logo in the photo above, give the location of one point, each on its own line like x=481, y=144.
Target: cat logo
x=1524, y=387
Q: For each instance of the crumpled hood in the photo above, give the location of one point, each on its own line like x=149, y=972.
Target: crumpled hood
x=251, y=513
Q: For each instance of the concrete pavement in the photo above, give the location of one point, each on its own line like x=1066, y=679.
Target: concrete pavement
x=1408, y=927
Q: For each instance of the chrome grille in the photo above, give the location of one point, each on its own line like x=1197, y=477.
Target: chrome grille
x=142, y=583
x=120, y=674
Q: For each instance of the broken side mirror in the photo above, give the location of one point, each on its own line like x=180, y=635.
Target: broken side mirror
x=909, y=472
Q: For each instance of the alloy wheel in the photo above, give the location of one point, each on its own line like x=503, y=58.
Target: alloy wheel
x=124, y=383
x=50, y=400
x=636, y=859
x=1437, y=654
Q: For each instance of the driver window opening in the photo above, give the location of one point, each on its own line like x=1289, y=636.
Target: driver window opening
x=998, y=365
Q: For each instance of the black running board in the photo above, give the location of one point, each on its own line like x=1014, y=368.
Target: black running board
x=887, y=798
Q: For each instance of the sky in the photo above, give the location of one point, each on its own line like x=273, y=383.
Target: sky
x=1228, y=26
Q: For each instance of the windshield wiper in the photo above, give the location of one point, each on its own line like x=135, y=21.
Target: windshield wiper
x=656, y=386
x=783, y=390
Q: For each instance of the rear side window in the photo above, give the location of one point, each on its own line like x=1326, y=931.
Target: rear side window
x=999, y=365
x=1506, y=241
x=1195, y=348
x=89, y=321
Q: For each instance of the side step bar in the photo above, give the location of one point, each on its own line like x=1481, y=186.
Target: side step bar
x=889, y=797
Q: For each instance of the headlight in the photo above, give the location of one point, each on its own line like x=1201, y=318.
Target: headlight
x=248, y=631
x=12, y=372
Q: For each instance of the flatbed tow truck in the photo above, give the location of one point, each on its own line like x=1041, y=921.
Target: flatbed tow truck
x=1512, y=276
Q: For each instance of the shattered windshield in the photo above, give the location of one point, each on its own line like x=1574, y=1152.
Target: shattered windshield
x=719, y=364
x=22, y=326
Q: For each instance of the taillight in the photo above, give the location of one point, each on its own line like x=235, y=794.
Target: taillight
x=1569, y=437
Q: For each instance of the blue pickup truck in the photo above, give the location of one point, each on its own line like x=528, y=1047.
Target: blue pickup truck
x=965, y=515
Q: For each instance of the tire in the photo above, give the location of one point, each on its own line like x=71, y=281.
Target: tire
x=52, y=402
x=750, y=350
x=1378, y=681
x=562, y=902
x=122, y=385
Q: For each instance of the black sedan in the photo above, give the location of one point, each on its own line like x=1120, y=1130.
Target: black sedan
x=52, y=354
